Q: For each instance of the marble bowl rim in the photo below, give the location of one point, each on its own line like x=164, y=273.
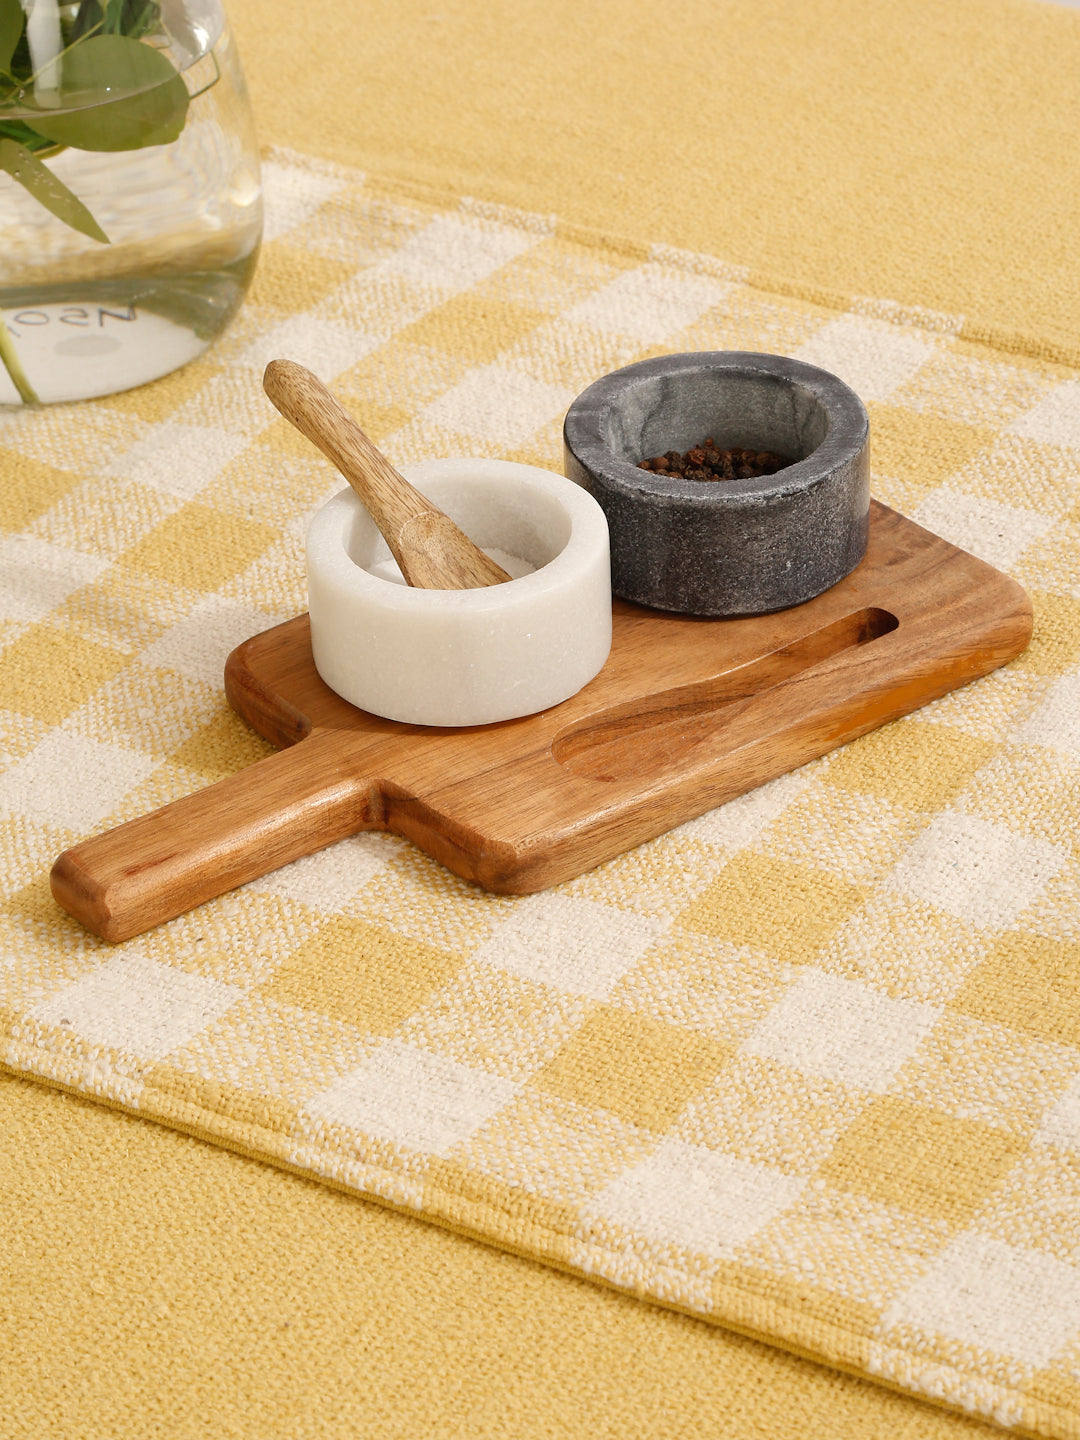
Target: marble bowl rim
x=849, y=429
x=588, y=531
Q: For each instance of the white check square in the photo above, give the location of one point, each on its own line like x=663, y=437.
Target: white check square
x=325, y=348
x=35, y=576
x=709, y=1202
x=982, y=873
x=1021, y=1303
x=1056, y=723
x=455, y=253
x=570, y=944
x=413, y=1098
x=649, y=303
x=293, y=195
x=179, y=460
x=998, y=534
x=330, y=878
x=136, y=1004
x=841, y=1030
x=872, y=356
x=198, y=646
x=1056, y=418
x=497, y=404
x=742, y=821
x=70, y=781
x=1061, y=1123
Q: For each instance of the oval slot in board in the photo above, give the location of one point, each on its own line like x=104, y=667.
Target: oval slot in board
x=663, y=731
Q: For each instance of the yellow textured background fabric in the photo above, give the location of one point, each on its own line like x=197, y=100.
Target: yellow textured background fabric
x=922, y=151
x=156, y=1285
x=747, y=1386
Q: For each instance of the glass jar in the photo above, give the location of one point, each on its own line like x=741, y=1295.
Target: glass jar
x=130, y=196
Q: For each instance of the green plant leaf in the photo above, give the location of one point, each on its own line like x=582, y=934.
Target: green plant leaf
x=115, y=94
x=136, y=17
x=89, y=18
x=47, y=190
x=12, y=21
x=140, y=17
x=18, y=130
x=13, y=365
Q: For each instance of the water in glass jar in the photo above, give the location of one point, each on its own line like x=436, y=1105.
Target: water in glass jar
x=183, y=219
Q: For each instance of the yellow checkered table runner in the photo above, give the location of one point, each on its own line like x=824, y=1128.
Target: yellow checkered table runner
x=808, y=1066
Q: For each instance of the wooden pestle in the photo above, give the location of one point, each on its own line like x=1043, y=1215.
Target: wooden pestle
x=431, y=551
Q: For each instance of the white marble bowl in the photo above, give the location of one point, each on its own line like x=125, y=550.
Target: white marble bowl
x=465, y=657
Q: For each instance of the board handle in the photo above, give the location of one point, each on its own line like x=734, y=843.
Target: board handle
x=142, y=873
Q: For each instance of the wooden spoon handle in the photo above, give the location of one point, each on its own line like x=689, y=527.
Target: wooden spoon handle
x=150, y=870
x=432, y=556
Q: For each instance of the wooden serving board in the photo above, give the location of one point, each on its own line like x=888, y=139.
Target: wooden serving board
x=686, y=714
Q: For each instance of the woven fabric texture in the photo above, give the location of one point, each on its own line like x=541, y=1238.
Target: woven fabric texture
x=155, y=1285
x=808, y=1066
x=920, y=150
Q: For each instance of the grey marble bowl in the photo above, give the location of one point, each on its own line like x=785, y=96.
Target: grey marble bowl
x=737, y=547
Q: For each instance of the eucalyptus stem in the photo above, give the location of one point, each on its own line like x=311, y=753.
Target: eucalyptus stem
x=13, y=366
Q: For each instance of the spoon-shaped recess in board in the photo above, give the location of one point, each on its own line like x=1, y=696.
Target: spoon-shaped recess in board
x=431, y=551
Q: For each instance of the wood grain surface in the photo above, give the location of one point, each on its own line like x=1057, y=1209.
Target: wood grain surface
x=431, y=551
x=686, y=714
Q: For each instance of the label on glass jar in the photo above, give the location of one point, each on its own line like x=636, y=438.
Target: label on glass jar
x=74, y=352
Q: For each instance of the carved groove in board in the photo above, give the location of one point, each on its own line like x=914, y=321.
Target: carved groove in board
x=647, y=738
